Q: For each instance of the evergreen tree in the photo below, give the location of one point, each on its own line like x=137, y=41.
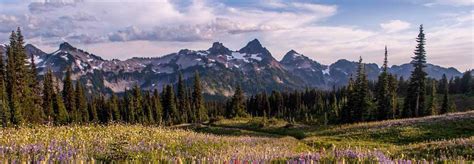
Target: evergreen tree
x=37, y=110
x=415, y=100
x=114, y=108
x=93, y=112
x=276, y=104
x=60, y=112
x=130, y=107
x=48, y=96
x=466, y=80
x=362, y=105
x=445, y=105
x=383, y=94
x=192, y=116
x=169, y=106
x=237, y=108
x=137, y=104
x=157, y=108
x=23, y=78
x=68, y=97
x=402, y=87
x=393, y=87
x=442, y=84
x=81, y=102
x=348, y=109
x=265, y=104
x=147, y=108
x=198, y=100
x=14, y=87
x=4, y=105
x=183, y=104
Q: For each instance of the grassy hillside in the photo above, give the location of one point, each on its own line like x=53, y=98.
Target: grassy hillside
x=246, y=140
x=135, y=142
x=443, y=136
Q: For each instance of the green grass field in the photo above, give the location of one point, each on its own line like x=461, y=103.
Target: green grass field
x=435, y=138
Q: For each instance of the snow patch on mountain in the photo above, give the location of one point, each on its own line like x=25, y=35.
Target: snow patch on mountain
x=119, y=85
x=237, y=55
x=326, y=71
x=256, y=57
x=202, y=53
x=38, y=60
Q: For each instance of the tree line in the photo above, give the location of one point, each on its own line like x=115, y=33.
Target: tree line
x=361, y=100
x=26, y=100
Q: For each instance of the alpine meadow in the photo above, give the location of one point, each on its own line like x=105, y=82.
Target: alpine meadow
x=147, y=99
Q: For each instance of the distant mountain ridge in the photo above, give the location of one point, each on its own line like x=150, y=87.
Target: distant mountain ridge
x=253, y=67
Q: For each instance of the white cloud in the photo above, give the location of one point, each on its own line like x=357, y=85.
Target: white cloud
x=452, y=2
x=395, y=26
x=126, y=28
x=126, y=20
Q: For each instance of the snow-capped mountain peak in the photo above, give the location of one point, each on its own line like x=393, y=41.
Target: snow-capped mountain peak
x=253, y=67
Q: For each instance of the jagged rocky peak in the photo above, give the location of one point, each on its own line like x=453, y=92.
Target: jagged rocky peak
x=66, y=46
x=292, y=52
x=291, y=55
x=219, y=48
x=185, y=51
x=30, y=47
x=33, y=50
x=253, y=47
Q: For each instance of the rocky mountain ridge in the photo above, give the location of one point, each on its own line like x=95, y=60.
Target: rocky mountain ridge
x=253, y=67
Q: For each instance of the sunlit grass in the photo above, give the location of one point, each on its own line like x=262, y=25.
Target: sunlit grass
x=434, y=137
x=128, y=142
x=438, y=138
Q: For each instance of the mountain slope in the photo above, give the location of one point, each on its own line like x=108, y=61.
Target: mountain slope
x=253, y=67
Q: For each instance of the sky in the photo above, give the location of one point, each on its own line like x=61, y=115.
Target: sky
x=324, y=30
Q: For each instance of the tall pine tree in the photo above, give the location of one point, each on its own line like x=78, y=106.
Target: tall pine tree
x=4, y=105
x=415, y=100
x=363, y=103
x=348, y=109
x=14, y=87
x=157, y=108
x=37, y=110
x=183, y=104
x=48, y=96
x=81, y=103
x=137, y=104
x=466, y=82
x=60, y=113
x=383, y=93
x=68, y=96
x=169, y=106
x=393, y=88
x=198, y=100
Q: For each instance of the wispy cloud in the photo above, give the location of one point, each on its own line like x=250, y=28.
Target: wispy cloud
x=395, y=26
x=450, y=2
x=125, y=28
x=157, y=20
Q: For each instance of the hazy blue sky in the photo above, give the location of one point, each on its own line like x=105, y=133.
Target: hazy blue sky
x=325, y=30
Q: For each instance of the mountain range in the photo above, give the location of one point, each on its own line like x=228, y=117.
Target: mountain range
x=253, y=67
